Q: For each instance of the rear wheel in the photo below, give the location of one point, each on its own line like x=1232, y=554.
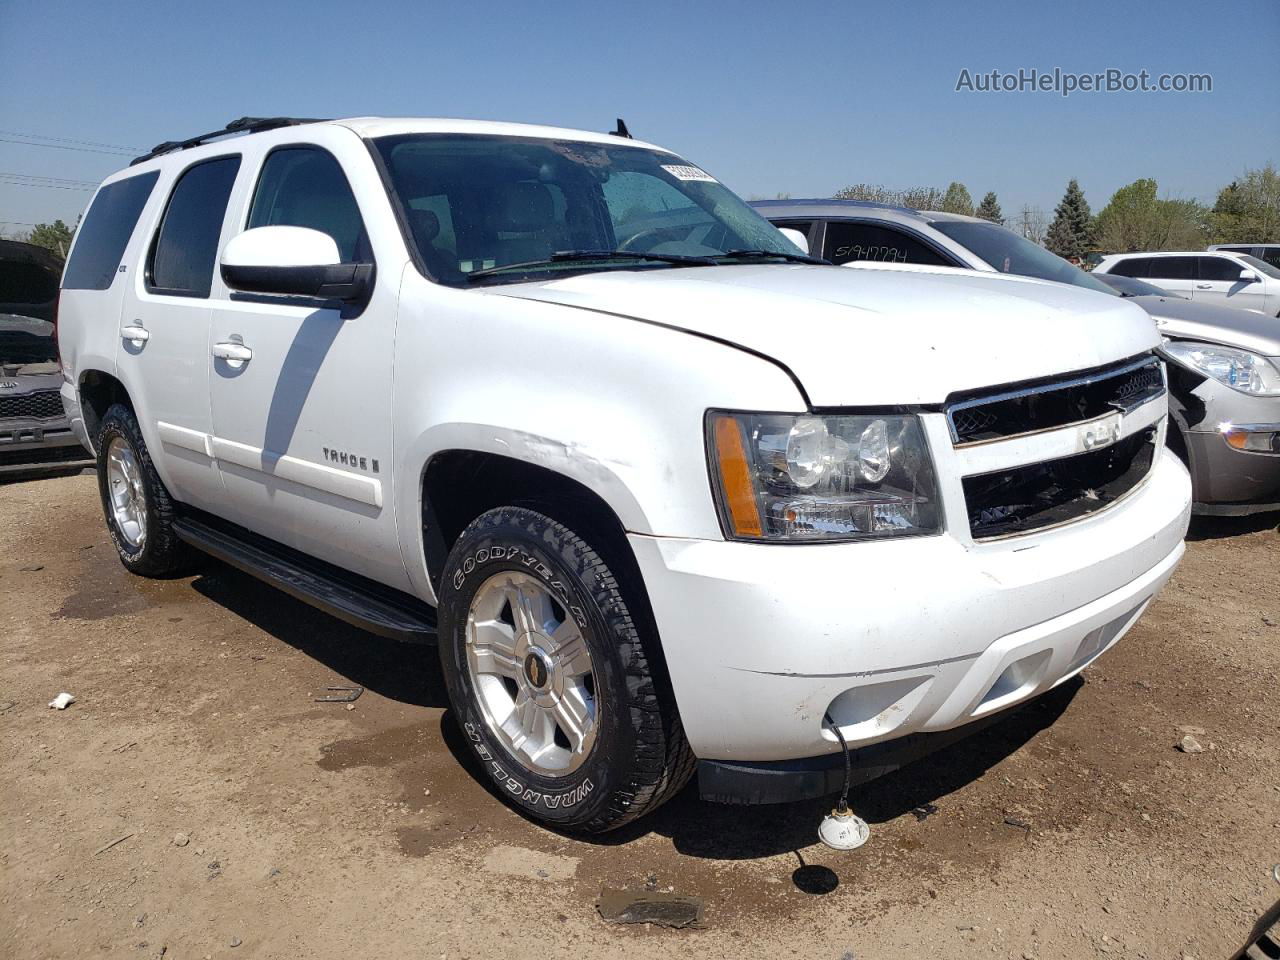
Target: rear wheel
x=138, y=509
x=552, y=677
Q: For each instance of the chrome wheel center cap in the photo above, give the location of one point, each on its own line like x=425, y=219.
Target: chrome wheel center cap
x=537, y=669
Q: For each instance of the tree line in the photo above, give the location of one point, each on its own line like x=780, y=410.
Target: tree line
x=1247, y=210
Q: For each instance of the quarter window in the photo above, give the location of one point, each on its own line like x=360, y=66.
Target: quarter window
x=305, y=187
x=849, y=241
x=186, y=245
x=107, y=227
x=1133, y=267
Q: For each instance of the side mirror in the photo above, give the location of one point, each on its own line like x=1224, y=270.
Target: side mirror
x=1248, y=276
x=293, y=261
x=796, y=237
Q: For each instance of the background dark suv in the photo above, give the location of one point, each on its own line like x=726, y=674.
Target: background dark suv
x=34, y=431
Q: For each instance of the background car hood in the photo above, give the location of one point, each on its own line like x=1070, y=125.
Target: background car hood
x=1230, y=326
x=872, y=337
x=25, y=340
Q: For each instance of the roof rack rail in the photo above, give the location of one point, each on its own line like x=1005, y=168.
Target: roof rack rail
x=243, y=125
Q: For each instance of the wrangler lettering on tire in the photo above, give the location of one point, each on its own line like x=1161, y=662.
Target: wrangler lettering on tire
x=552, y=675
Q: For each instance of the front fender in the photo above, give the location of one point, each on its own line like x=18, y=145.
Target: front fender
x=614, y=404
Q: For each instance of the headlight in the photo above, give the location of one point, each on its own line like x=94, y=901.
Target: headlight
x=782, y=477
x=1238, y=369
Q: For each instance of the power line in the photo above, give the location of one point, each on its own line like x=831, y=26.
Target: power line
x=83, y=143
x=47, y=186
x=36, y=176
x=59, y=146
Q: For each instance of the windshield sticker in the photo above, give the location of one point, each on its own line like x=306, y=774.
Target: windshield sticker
x=681, y=172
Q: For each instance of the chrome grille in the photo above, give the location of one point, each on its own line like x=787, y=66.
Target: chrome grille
x=1046, y=405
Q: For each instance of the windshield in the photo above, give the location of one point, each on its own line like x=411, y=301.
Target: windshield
x=479, y=203
x=1009, y=253
x=1130, y=287
x=1260, y=265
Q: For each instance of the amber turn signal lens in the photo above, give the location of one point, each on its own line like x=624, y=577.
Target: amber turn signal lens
x=735, y=478
x=1252, y=441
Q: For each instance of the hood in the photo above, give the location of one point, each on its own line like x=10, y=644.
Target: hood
x=1229, y=326
x=17, y=380
x=25, y=340
x=873, y=337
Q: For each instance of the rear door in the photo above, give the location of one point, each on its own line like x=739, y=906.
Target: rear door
x=163, y=352
x=1218, y=282
x=303, y=427
x=1175, y=274
x=96, y=280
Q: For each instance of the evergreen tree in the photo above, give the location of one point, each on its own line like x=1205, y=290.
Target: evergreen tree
x=55, y=237
x=1071, y=233
x=957, y=200
x=989, y=209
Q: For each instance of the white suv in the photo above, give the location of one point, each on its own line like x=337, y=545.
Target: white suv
x=671, y=494
x=1221, y=278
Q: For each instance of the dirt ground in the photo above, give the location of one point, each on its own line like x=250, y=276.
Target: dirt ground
x=259, y=823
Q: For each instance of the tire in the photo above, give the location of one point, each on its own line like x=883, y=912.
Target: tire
x=635, y=756
x=148, y=546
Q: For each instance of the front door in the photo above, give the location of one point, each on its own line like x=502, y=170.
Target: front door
x=301, y=390
x=1218, y=282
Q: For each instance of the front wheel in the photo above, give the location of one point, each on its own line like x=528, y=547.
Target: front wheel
x=553, y=678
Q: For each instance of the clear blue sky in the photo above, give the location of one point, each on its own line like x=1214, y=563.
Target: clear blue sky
x=798, y=97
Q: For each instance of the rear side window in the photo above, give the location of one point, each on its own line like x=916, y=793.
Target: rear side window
x=1173, y=268
x=1219, y=268
x=106, y=231
x=847, y=242
x=305, y=187
x=187, y=243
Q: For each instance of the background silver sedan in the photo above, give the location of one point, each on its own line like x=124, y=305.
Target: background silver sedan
x=1224, y=363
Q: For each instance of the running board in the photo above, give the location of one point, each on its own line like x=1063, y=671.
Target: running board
x=347, y=596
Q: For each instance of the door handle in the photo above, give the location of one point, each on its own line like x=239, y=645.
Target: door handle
x=135, y=333
x=1204, y=286
x=230, y=350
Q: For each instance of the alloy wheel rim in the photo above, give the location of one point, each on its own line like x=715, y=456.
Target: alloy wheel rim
x=532, y=673
x=127, y=495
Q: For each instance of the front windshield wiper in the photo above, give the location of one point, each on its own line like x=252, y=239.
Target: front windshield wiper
x=764, y=254
x=569, y=256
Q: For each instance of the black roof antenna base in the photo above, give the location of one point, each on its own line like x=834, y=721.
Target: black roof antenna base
x=622, y=130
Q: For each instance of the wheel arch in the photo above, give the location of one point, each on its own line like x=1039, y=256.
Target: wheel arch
x=459, y=484
x=97, y=391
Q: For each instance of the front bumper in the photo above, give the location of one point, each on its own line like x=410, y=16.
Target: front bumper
x=31, y=445
x=898, y=637
x=1231, y=482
